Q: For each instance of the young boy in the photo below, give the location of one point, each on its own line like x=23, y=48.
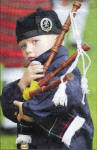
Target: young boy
x=50, y=127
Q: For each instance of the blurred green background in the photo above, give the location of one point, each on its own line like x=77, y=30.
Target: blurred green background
x=7, y=142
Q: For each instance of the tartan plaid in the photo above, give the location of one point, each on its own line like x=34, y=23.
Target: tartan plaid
x=59, y=126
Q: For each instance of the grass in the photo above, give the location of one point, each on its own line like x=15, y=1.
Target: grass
x=90, y=36
x=8, y=142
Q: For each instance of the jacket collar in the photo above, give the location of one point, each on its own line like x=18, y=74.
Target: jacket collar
x=43, y=58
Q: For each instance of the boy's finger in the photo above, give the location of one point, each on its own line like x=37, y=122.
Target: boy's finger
x=37, y=76
x=16, y=103
x=19, y=117
x=38, y=71
x=35, y=63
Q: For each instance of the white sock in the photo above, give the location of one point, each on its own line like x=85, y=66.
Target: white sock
x=7, y=124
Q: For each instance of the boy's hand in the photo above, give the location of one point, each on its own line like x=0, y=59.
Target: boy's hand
x=33, y=72
x=21, y=116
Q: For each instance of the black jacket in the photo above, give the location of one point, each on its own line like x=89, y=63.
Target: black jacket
x=53, y=120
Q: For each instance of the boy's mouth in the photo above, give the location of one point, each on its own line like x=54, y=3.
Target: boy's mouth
x=31, y=58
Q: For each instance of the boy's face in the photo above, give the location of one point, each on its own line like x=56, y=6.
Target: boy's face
x=35, y=46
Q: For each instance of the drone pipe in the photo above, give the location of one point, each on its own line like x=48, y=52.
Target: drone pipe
x=47, y=78
x=68, y=77
x=59, y=40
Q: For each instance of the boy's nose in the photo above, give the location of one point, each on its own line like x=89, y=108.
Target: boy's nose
x=30, y=48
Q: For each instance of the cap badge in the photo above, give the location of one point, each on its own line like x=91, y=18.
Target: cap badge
x=46, y=24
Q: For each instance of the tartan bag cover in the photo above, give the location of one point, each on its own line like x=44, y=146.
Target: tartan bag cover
x=64, y=128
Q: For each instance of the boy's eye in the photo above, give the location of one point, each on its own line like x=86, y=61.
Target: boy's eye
x=23, y=46
x=35, y=41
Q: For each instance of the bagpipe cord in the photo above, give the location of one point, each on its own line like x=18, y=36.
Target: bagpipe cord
x=60, y=97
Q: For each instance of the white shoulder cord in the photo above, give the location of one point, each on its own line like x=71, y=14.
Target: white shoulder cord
x=60, y=97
